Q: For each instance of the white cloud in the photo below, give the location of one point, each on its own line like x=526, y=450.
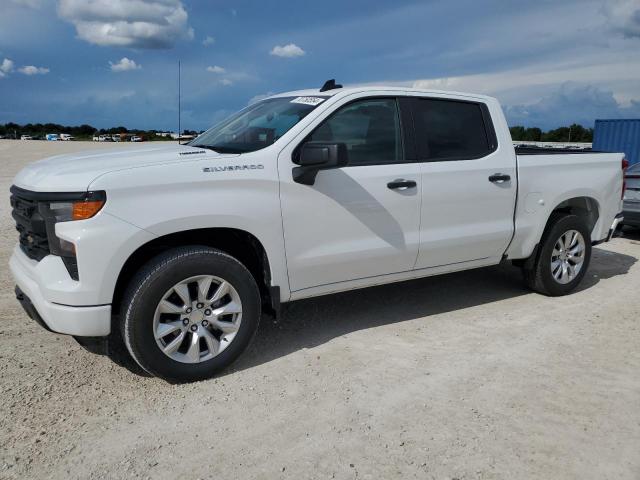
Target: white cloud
x=208, y=41
x=6, y=67
x=124, y=65
x=526, y=85
x=571, y=103
x=288, y=51
x=32, y=70
x=596, y=84
x=624, y=16
x=128, y=23
x=226, y=82
x=216, y=69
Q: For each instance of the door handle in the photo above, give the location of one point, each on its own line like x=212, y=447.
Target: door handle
x=401, y=184
x=499, y=178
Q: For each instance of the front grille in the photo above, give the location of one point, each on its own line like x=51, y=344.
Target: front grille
x=30, y=225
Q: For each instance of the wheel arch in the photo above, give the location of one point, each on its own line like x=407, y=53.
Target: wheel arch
x=240, y=244
x=585, y=207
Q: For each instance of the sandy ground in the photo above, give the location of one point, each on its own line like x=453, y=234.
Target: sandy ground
x=462, y=376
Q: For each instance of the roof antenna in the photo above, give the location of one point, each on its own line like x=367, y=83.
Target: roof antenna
x=179, y=126
x=330, y=85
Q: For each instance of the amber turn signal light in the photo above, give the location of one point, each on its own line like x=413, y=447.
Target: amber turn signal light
x=86, y=209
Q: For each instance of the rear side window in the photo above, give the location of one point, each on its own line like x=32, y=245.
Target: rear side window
x=451, y=130
x=370, y=129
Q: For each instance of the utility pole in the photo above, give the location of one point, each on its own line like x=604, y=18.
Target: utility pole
x=179, y=126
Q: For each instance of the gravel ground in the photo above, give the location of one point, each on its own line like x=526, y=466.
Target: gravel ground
x=461, y=376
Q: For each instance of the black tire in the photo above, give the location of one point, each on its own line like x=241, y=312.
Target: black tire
x=150, y=283
x=537, y=270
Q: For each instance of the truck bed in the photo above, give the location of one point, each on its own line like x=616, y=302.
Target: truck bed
x=550, y=178
x=530, y=150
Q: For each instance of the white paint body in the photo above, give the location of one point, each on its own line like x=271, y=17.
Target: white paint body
x=346, y=231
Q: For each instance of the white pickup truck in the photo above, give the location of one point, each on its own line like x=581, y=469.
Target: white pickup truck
x=182, y=248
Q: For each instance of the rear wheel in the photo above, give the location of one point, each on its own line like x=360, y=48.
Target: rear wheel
x=189, y=313
x=562, y=257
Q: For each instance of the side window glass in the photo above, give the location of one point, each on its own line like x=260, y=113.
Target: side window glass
x=369, y=128
x=450, y=130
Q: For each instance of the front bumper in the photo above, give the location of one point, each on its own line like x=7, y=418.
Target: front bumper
x=89, y=321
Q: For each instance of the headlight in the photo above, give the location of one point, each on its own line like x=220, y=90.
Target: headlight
x=67, y=208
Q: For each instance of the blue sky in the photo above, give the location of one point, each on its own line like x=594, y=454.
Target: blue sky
x=114, y=62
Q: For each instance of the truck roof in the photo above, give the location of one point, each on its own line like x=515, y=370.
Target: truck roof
x=315, y=92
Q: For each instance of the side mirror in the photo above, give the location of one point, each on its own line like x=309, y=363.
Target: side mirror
x=316, y=156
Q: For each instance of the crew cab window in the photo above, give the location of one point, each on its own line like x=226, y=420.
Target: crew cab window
x=370, y=129
x=450, y=130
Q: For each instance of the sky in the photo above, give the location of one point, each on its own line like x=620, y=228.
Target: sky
x=114, y=62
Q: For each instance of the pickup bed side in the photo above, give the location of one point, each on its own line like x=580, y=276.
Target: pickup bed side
x=587, y=184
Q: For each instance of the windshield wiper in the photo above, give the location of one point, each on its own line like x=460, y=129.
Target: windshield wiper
x=220, y=148
x=208, y=147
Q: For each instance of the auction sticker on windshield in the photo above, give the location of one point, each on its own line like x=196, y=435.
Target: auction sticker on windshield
x=308, y=100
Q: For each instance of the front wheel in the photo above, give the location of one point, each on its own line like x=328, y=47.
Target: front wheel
x=562, y=258
x=189, y=313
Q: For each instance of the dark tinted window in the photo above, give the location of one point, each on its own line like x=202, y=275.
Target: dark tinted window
x=449, y=130
x=369, y=128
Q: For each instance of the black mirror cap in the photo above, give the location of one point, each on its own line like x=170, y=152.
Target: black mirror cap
x=322, y=155
x=316, y=156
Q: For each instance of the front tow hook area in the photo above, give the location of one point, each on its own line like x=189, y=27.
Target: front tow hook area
x=30, y=309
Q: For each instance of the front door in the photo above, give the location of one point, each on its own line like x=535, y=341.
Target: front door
x=357, y=221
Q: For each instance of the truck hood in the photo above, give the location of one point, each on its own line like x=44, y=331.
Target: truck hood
x=76, y=171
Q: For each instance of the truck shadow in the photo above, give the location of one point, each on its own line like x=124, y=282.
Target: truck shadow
x=312, y=322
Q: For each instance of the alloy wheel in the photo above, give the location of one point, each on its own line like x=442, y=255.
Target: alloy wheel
x=197, y=319
x=567, y=256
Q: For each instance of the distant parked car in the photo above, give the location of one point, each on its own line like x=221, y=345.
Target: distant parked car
x=65, y=137
x=26, y=137
x=52, y=137
x=136, y=138
x=115, y=138
x=631, y=205
x=96, y=138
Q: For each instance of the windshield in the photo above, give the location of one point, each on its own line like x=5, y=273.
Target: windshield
x=257, y=126
x=634, y=168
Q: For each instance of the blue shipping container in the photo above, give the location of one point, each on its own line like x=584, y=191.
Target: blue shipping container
x=618, y=136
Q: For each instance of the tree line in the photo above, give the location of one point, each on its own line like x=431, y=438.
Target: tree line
x=36, y=130
x=573, y=133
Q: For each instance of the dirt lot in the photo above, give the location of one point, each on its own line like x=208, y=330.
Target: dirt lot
x=462, y=376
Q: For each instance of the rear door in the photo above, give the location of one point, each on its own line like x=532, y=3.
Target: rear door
x=468, y=182
x=354, y=222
